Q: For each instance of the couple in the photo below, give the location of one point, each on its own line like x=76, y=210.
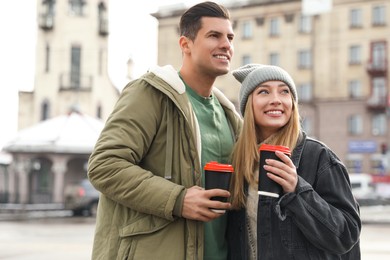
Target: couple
x=148, y=163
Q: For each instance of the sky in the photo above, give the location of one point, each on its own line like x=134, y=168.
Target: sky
x=17, y=48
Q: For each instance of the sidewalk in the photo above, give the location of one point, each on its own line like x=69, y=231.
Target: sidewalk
x=12, y=211
x=379, y=214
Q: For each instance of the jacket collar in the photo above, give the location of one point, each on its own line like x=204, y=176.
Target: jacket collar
x=170, y=76
x=297, y=153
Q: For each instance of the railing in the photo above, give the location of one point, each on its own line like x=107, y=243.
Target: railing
x=75, y=82
x=377, y=102
x=377, y=66
x=46, y=21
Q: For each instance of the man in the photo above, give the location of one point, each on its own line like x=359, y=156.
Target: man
x=149, y=158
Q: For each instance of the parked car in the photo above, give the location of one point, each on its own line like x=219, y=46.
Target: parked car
x=82, y=198
x=363, y=188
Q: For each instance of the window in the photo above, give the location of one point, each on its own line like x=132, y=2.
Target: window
x=305, y=24
x=247, y=30
x=99, y=111
x=378, y=96
x=246, y=59
x=46, y=17
x=304, y=92
x=355, y=125
x=377, y=164
x=379, y=124
x=103, y=19
x=48, y=7
x=274, y=27
x=41, y=180
x=355, y=89
x=379, y=15
x=76, y=7
x=45, y=110
x=100, y=62
x=274, y=59
x=379, y=91
x=75, y=67
x=355, y=18
x=355, y=54
x=304, y=59
x=47, y=58
x=378, y=55
x=354, y=163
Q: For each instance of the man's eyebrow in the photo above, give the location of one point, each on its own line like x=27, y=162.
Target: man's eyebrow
x=213, y=32
x=219, y=33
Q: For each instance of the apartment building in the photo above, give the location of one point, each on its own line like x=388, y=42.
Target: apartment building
x=338, y=58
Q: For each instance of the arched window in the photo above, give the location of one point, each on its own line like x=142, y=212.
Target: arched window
x=103, y=19
x=45, y=110
x=76, y=7
x=99, y=111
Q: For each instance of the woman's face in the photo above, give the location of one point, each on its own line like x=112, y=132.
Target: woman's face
x=272, y=107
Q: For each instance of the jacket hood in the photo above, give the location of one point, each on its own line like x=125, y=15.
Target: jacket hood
x=170, y=75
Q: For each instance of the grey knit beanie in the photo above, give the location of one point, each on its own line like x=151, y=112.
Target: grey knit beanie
x=252, y=75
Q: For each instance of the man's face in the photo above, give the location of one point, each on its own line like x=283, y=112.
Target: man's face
x=212, y=49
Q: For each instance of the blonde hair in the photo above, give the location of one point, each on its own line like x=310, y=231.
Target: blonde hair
x=245, y=155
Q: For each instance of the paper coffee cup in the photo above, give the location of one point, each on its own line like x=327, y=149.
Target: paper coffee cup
x=266, y=186
x=217, y=176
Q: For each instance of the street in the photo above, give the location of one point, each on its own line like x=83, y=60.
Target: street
x=44, y=239
x=65, y=237
x=375, y=241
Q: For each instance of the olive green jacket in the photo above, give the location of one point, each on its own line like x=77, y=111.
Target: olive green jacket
x=145, y=158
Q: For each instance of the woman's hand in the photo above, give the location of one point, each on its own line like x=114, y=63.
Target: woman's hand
x=283, y=173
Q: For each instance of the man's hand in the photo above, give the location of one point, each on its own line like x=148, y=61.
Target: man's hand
x=197, y=203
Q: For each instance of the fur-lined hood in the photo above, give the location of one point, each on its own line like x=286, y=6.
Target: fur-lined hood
x=168, y=74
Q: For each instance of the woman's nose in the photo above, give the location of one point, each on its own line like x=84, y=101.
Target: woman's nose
x=275, y=99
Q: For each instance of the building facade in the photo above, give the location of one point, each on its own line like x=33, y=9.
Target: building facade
x=71, y=62
x=71, y=87
x=337, y=57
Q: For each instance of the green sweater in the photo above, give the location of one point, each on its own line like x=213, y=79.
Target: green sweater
x=217, y=143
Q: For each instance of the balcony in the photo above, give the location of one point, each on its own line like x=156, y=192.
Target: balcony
x=74, y=82
x=377, y=67
x=46, y=21
x=378, y=103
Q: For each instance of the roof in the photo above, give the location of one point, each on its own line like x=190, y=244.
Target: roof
x=71, y=133
x=5, y=158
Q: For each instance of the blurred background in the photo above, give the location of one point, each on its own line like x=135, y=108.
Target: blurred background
x=64, y=63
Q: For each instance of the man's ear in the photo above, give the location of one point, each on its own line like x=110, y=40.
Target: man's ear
x=184, y=43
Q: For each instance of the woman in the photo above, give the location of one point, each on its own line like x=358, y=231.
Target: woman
x=317, y=216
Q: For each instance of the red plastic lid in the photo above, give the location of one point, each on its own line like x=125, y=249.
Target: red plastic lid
x=274, y=148
x=218, y=167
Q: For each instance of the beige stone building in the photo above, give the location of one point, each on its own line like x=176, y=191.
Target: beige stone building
x=61, y=118
x=71, y=62
x=337, y=54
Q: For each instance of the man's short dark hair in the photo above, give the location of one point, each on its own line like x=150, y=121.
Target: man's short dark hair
x=190, y=22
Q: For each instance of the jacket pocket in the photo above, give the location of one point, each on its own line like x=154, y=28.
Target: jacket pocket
x=292, y=239
x=126, y=249
x=151, y=237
